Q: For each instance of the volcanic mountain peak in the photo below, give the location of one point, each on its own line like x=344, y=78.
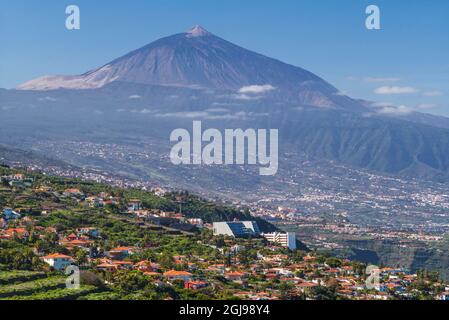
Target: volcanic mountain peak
x=200, y=59
x=197, y=31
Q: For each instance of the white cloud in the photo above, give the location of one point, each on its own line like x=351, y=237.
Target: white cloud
x=257, y=89
x=217, y=110
x=134, y=96
x=143, y=111
x=240, y=115
x=395, y=111
x=226, y=104
x=243, y=96
x=432, y=93
x=395, y=90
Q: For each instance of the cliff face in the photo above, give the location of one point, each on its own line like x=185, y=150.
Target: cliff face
x=414, y=256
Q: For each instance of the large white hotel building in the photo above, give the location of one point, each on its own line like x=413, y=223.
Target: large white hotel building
x=287, y=239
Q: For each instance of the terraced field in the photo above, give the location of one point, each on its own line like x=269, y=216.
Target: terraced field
x=58, y=294
x=9, y=277
x=29, y=285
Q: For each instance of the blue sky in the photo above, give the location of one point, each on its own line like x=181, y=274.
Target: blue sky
x=406, y=63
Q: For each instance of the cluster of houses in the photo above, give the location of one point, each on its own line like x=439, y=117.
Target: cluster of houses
x=160, y=217
x=17, y=180
x=195, y=271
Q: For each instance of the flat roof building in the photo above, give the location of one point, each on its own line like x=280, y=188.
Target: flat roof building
x=236, y=228
x=287, y=239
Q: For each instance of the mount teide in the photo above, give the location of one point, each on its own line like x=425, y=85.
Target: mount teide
x=199, y=59
x=199, y=76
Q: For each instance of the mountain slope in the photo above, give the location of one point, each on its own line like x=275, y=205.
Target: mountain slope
x=380, y=144
x=199, y=59
x=13, y=156
x=199, y=76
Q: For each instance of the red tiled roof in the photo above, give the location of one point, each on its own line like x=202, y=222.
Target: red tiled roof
x=57, y=256
x=306, y=285
x=107, y=265
x=123, y=263
x=174, y=273
x=235, y=274
x=122, y=249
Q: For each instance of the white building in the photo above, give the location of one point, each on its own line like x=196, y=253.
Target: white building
x=134, y=205
x=58, y=261
x=287, y=239
x=236, y=228
x=196, y=222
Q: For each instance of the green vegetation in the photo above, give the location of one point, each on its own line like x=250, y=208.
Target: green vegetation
x=9, y=277
x=31, y=287
x=58, y=294
x=161, y=262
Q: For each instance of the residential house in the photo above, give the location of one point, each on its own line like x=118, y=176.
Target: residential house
x=10, y=214
x=113, y=265
x=78, y=243
x=20, y=233
x=146, y=266
x=195, y=285
x=95, y=202
x=235, y=276
x=73, y=192
x=178, y=275
x=58, y=261
x=121, y=252
x=134, y=205
x=88, y=231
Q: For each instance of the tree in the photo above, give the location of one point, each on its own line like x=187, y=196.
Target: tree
x=333, y=262
x=166, y=261
x=129, y=281
x=81, y=257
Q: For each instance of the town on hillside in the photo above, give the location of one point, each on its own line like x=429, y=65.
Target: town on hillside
x=134, y=244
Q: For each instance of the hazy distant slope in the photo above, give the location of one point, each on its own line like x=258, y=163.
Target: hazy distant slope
x=13, y=156
x=381, y=144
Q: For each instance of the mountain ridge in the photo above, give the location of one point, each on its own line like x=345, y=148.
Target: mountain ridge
x=199, y=59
